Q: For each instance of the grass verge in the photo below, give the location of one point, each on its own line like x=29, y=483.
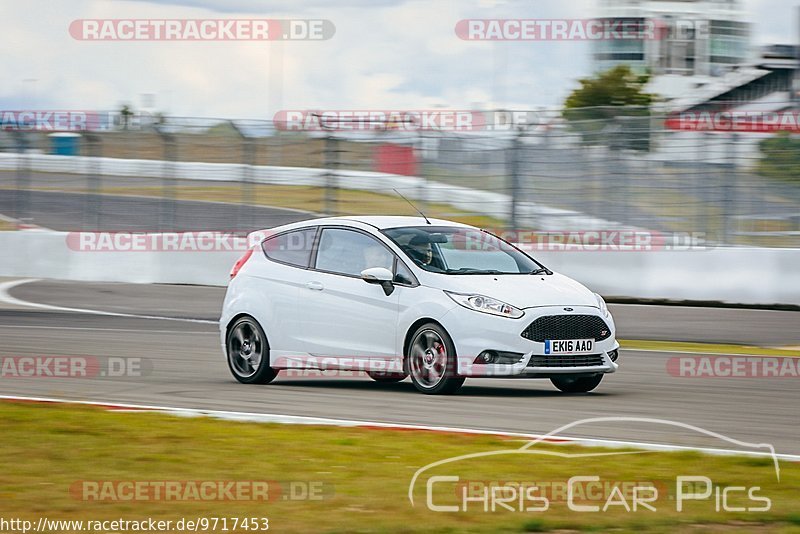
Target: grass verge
x=710, y=348
x=47, y=450
x=306, y=198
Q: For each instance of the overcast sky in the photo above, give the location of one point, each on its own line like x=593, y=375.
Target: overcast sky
x=386, y=54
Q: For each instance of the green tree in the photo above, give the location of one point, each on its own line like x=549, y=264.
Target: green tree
x=780, y=157
x=619, y=86
x=125, y=116
x=612, y=107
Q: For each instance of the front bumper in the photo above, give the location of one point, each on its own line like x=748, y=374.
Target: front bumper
x=474, y=332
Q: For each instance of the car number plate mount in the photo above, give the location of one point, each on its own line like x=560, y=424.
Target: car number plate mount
x=568, y=346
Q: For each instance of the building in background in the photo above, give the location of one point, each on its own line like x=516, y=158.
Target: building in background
x=702, y=57
x=702, y=63
x=701, y=49
x=692, y=38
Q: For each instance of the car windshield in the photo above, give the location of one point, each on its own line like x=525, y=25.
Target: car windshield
x=457, y=250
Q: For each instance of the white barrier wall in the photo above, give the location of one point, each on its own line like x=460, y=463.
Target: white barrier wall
x=484, y=202
x=45, y=254
x=730, y=275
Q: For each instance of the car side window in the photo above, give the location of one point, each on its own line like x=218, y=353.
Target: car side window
x=348, y=252
x=403, y=274
x=293, y=248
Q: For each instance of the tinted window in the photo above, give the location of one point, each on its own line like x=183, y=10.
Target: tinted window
x=293, y=248
x=349, y=252
x=457, y=250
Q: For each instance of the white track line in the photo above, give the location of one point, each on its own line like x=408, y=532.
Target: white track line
x=115, y=330
x=6, y=297
x=305, y=420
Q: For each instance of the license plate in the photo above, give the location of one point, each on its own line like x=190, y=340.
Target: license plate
x=568, y=346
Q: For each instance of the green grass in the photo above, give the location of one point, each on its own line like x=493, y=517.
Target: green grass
x=45, y=449
x=311, y=198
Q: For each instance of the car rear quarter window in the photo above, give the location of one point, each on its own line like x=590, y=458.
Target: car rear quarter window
x=293, y=248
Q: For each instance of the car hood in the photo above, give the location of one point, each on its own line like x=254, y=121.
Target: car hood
x=519, y=290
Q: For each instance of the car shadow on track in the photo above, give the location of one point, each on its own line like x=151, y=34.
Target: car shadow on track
x=407, y=387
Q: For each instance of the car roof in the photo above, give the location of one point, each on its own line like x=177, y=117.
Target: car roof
x=380, y=222
x=394, y=221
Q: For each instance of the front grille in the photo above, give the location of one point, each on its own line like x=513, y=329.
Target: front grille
x=578, y=360
x=567, y=327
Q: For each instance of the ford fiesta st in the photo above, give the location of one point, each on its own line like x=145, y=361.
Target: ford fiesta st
x=405, y=296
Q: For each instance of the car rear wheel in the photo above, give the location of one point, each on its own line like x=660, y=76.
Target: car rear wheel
x=432, y=362
x=576, y=384
x=248, y=353
x=386, y=378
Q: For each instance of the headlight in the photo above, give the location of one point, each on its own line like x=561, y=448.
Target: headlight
x=486, y=305
x=602, y=305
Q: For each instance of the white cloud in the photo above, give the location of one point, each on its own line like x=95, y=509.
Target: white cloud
x=386, y=54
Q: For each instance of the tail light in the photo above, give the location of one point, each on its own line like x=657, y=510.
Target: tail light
x=240, y=263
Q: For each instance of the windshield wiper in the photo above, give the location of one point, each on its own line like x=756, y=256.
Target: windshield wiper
x=543, y=270
x=469, y=270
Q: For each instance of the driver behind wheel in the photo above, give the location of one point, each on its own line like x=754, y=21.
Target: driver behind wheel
x=420, y=250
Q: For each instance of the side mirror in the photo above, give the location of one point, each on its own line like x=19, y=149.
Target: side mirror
x=379, y=275
x=376, y=275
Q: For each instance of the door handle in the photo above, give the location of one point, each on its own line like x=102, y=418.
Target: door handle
x=316, y=286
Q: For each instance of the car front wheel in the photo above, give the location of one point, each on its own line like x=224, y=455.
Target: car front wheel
x=248, y=353
x=576, y=384
x=432, y=362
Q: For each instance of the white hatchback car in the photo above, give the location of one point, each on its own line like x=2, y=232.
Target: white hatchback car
x=398, y=296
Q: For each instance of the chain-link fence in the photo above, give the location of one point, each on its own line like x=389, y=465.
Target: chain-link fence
x=574, y=171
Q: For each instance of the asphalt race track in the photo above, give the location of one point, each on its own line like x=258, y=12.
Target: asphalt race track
x=185, y=368
x=67, y=211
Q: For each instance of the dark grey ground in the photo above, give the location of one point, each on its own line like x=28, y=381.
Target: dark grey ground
x=188, y=370
x=667, y=323
x=67, y=211
x=559, y=183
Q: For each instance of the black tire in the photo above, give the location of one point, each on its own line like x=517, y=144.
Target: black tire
x=246, y=341
x=576, y=384
x=431, y=361
x=386, y=378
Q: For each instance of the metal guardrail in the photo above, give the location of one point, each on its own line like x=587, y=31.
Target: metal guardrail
x=627, y=170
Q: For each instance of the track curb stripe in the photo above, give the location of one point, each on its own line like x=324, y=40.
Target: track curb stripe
x=378, y=425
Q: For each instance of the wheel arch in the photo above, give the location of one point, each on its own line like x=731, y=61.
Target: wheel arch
x=239, y=316
x=413, y=328
x=236, y=318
